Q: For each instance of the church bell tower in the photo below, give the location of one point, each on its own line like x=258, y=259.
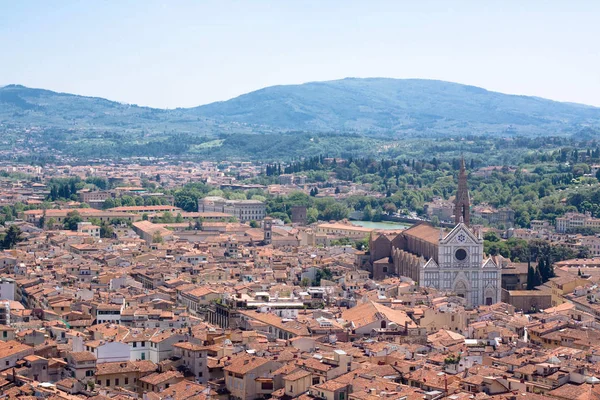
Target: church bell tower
x=462, y=203
x=268, y=230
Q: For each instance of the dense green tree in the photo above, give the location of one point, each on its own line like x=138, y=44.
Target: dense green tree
x=312, y=215
x=12, y=236
x=282, y=216
x=362, y=244
x=50, y=224
x=390, y=208
x=99, y=182
x=491, y=237
x=377, y=215
x=167, y=218
x=545, y=268
x=335, y=212
x=71, y=220
x=106, y=230
x=109, y=203
x=531, y=277
x=157, y=238
x=534, y=276
x=367, y=213
x=324, y=273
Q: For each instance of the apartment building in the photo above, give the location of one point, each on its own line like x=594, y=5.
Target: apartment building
x=493, y=216
x=248, y=377
x=194, y=359
x=576, y=220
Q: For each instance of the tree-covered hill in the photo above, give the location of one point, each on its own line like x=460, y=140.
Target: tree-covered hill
x=398, y=106
x=368, y=113
x=359, y=105
x=37, y=108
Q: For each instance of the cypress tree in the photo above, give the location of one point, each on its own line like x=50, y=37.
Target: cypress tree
x=530, y=276
x=537, y=278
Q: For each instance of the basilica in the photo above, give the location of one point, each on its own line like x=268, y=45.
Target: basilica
x=452, y=262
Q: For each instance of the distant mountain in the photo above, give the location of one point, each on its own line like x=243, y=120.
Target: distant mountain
x=25, y=107
x=397, y=105
x=371, y=105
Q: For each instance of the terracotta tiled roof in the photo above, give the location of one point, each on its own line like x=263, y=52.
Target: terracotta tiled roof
x=425, y=232
x=294, y=376
x=245, y=363
x=158, y=378
x=367, y=313
x=83, y=356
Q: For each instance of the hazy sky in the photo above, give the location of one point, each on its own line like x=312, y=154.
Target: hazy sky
x=177, y=53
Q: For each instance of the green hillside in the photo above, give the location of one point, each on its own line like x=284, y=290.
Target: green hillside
x=368, y=112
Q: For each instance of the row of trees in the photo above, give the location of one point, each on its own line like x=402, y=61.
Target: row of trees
x=65, y=189
x=559, y=167
x=520, y=250
x=130, y=201
x=540, y=274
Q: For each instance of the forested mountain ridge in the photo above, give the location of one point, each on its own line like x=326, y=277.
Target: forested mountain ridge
x=352, y=104
x=21, y=106
x=293, y=120
x=397, y=105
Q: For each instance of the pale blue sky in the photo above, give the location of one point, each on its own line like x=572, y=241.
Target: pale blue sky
x=177, y=53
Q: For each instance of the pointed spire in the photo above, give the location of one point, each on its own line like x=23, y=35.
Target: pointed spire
x=462, y=203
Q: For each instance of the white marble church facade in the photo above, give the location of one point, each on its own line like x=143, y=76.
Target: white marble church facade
x=462, y=269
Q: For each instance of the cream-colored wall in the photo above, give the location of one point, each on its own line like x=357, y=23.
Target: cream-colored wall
x=298, y=387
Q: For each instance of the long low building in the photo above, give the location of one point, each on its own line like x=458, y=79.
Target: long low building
x=528, y=300
x=146, y=209
x=346, y=230
x=579, y=263
x=194, y=216
x=33, y=216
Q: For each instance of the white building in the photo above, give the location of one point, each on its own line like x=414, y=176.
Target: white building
x=109, y=313
x=139, y=348
x=107, y=351
x=576, y=220
x=463, y=270
x=7, y=289
x=592, y=243
x=89, y=229
x=243, y=210
x=161, y=345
